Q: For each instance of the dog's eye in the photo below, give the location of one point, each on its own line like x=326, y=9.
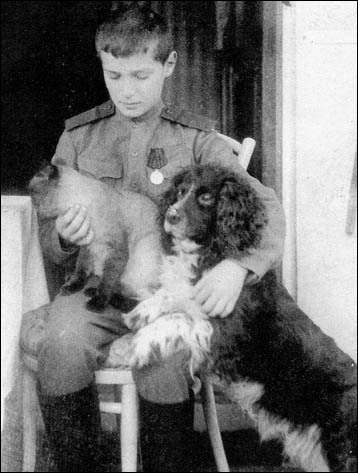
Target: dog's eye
x=206, y=199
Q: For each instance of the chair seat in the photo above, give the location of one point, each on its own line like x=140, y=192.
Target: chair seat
x=32, y=337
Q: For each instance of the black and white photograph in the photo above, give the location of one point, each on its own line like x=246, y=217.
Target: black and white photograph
x=178, y=236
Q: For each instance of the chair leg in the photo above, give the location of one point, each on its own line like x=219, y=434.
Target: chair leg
x=117, y=399
x=213, y=426
x=129, y=428
x=30, y=410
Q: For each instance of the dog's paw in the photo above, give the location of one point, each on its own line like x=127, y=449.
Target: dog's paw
x=143, y=351
x=131, y=319
x=146, y=312
x=120, y=352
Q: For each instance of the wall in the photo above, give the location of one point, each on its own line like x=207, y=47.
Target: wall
x=51, y=72
x=319, y=145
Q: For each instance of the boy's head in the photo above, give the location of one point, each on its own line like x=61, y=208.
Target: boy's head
x=131, y=31
x=136, y=54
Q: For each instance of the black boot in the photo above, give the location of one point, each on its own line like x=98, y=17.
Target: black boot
x=72, y=424
x=166, y=435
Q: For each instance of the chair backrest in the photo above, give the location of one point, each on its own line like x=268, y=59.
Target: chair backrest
x=244, y=149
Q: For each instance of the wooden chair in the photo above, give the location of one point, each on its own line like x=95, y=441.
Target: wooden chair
x=243, y=150
x=125, y=405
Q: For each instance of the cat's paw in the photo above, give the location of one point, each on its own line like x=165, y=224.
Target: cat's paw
x=91, y=291
x=122, y=303
x=72, y=287
x=97, y=303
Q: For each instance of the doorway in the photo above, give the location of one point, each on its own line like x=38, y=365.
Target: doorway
x=226, y=71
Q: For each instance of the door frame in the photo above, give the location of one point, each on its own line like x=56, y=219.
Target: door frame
x=272, y=96
x=279, y=122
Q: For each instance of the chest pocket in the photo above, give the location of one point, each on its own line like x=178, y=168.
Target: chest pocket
x=178, y=158
x=104, y=168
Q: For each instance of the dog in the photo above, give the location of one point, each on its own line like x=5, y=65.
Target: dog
x=126, y=249
x=290, y=377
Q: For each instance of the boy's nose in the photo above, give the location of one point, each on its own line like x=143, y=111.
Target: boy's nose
x=127, y=90
x=128, y=93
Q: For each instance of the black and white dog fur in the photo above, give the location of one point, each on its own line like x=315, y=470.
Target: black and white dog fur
x=291, y=378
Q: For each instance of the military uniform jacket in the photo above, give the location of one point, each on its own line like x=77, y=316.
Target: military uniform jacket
x=124, y=153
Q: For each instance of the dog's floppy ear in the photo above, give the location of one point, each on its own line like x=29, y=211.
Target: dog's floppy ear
x=240, y=218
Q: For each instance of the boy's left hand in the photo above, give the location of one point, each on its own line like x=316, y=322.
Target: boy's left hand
x=219, y=289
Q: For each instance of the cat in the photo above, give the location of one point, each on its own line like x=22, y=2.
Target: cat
x=126, y=249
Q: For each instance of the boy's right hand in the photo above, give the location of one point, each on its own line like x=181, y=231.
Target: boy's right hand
x=74, y=226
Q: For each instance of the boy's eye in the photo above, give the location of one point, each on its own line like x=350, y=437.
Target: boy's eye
x=113, y=76
x=138, y=75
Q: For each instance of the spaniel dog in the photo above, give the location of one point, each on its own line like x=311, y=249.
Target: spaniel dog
x=291, y=378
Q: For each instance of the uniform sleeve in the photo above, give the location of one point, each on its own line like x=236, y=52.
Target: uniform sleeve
x=65, y=155
x=210, y=148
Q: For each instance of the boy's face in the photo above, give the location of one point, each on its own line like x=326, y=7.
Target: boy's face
x=135, y=83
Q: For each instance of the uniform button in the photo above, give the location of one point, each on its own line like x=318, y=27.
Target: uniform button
x=134, y=125
x=134, y=153
x=134, y=185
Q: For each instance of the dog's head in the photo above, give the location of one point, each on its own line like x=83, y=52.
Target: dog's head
x=214, y=207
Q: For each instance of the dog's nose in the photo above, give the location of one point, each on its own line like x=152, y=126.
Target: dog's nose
x=173, y=216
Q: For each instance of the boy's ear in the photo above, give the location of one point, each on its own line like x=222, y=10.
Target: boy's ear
x=170, y=63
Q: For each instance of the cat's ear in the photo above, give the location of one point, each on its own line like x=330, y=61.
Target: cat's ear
x=47, y=170
x=54, y=172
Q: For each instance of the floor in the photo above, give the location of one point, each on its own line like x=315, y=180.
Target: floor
x=244, y=454
x=243, y=449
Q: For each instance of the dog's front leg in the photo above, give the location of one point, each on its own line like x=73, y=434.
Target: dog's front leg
x=162, y=302
x=168, y=335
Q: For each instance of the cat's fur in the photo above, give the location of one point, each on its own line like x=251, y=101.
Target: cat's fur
x=125, y=251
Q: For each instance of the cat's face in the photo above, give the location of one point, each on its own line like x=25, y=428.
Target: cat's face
x=42, y=189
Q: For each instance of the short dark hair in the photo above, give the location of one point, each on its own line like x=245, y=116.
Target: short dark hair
x=127, y=32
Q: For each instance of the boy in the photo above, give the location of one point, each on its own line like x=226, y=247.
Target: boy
x=133, y=141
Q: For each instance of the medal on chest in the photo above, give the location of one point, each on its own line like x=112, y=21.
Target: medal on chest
x=156, y=177
x=156, y=160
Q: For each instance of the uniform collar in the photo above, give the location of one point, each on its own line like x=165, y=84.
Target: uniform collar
x=149, y=116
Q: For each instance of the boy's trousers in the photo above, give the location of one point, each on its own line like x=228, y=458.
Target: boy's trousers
x=77, y=342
